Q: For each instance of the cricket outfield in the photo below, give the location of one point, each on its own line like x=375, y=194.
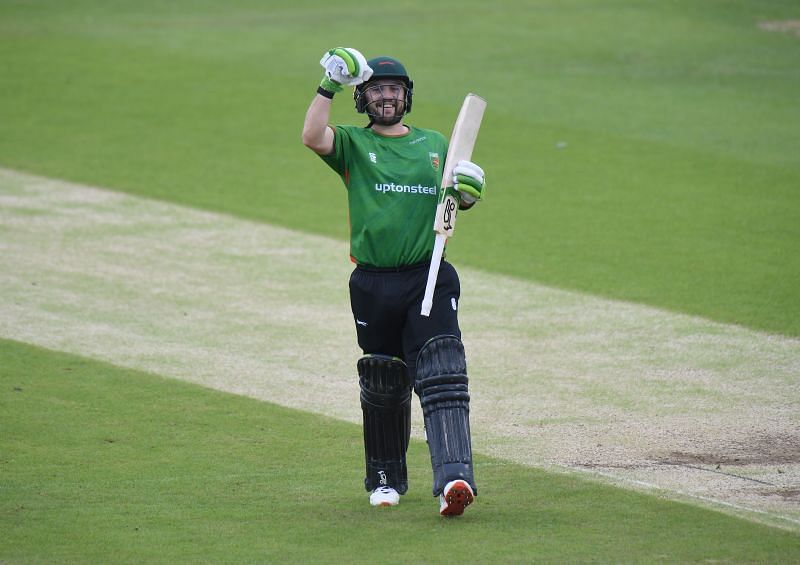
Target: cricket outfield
x=630, y=302
x=675, y=405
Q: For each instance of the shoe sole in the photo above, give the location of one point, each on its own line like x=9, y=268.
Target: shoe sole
x=457, y=498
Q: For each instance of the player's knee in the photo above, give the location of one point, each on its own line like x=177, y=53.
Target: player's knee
x=384, y=380
x=441, y=371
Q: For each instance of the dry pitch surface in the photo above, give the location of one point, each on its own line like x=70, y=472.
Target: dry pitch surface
x=676, y=405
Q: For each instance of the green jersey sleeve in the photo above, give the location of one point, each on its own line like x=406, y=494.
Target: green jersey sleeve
x=341, y=142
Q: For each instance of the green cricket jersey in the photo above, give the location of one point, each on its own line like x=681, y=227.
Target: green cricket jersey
x=392, y=190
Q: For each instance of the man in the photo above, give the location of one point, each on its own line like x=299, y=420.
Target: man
x=393, y=173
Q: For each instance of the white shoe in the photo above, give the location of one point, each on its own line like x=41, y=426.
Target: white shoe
x=455, y=497
x=384, y=496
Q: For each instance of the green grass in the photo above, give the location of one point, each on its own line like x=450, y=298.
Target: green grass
x=638, y=150
x=677, y=186
x=100, y=463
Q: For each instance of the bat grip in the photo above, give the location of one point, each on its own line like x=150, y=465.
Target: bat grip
x=433, y=274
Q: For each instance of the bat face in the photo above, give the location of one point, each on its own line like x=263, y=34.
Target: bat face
x=445, y=221
x=449, y=213
x=462, y=142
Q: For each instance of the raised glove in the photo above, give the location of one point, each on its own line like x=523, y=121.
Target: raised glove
x=343, y=66
x=469, y=181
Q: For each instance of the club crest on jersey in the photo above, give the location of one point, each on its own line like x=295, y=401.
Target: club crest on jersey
x=434, y=161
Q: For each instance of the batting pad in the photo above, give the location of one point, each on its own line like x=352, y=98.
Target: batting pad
x=386, y=406
x=442, y=388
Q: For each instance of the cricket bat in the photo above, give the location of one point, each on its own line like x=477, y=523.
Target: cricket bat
x=462, y=141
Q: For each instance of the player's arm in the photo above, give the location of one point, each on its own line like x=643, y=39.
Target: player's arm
x=317, y=134
x=343, y=66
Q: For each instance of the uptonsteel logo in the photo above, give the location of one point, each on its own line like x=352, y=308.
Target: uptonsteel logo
x=404, y=188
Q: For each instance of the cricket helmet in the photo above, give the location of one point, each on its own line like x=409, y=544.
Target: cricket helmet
x=384, y=67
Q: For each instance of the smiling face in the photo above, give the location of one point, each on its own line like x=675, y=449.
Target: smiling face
x=385, y=101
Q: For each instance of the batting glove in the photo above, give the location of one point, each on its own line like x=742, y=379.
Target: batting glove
x=343, y=66
x=469, y=181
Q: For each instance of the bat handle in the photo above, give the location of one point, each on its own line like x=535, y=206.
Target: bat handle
x=433, y=273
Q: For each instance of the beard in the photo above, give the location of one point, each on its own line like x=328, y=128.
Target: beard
x=386, y=111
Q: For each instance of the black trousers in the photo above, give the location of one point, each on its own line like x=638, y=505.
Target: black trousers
x=386, y=309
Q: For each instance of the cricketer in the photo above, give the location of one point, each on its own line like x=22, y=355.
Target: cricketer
x=392, y=172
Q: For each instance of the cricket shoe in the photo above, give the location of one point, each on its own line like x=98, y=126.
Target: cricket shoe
x=384, y=496
x=455, y=497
